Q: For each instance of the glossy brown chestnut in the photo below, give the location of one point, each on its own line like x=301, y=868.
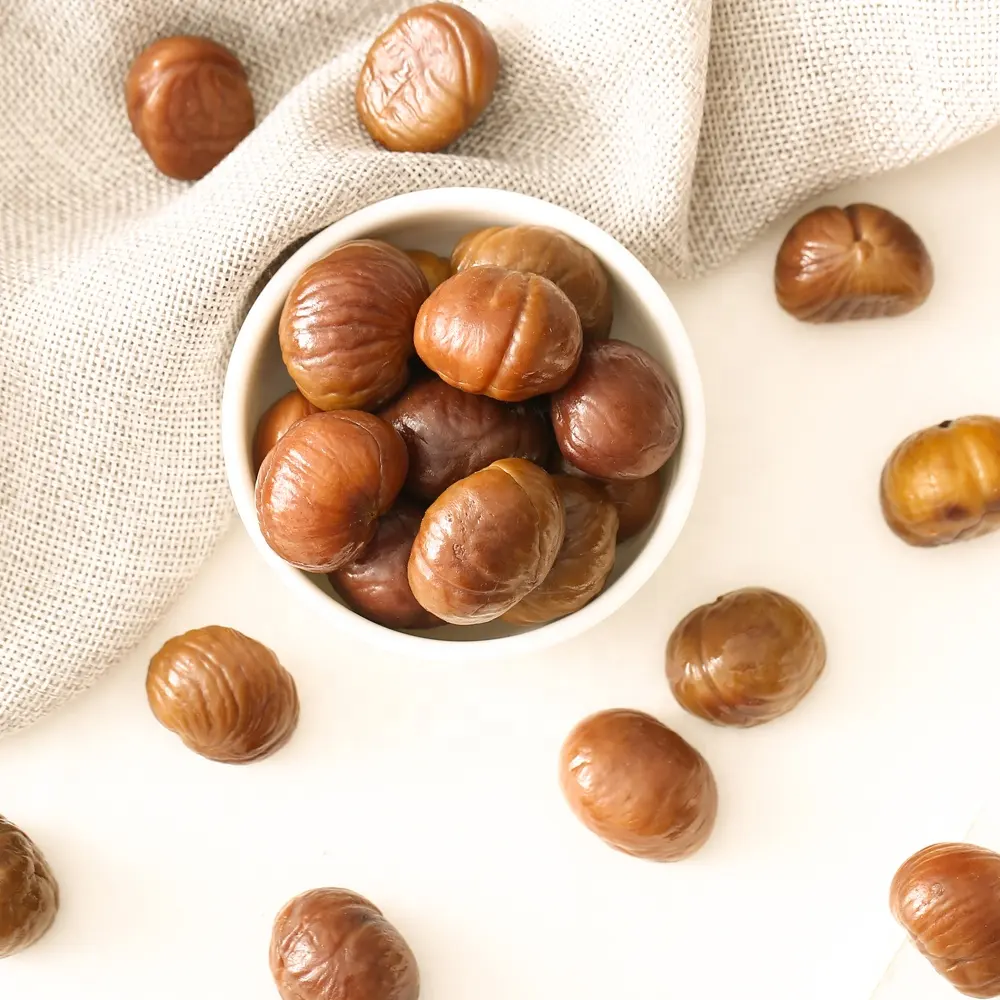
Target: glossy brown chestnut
x=332, y=944
x=487, y=542
x=942, y=484
x=745, y=659
x=346, y=331
x=449, y=434
x=189, y=103
x=638, y=785
x=620, y=416
x=325, y=484
x=427, y=78
x=858, y=262
x=553, y=255
x=29, y=895
x=224, y=694
x=277, y=419
x=947, y=897
x=435, y=269
x=586, y=556
x=505, y=334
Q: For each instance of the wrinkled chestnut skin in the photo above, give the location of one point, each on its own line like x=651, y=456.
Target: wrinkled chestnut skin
x=189, y=103
x=858, y=262
x=224, y=694
x=745, y=659
x=487, y=542
x=29, y=895
x=947, y=898
x=332, y=944
x=505, y=334
x=346, y=330
x=620, y=416
x=942, y=484
x=435, y=269
x=553, y=255
x=277, y=419
x=325, y=484
x=638, y=785
x=427, y=79
x=449, y=434
x=585, y=559
x=375, y=585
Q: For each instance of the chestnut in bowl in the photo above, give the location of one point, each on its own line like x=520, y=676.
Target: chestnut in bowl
x=29, y=894
x=435, y=269
x=277, y=419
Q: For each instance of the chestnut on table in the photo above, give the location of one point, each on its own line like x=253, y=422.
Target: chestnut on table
x=29, y=895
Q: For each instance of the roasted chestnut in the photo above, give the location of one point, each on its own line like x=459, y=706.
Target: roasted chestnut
x=553, y=255
x=346, y=331
x=332, y=944
x=29, y=895
x=189, y=103
x=427, y=78
x=947, y=898
x=942, y=484
x=505, y=334
x=277, y=419
x=619, y=417
x=435, y=269
x=636, y=500
x=858, y=262
x=449, y=434
x=487, y=542
x=745, y=659
x=324, y=485
x=224, y=694
x=375, y=584
x=638, y=785
x=585, y=559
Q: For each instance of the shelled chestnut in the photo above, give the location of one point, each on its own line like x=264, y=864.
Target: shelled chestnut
x=29, y=894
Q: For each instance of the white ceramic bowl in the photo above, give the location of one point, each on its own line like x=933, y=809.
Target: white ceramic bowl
x=434, y=220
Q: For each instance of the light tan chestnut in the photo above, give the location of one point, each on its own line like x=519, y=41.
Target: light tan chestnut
x=224, y=694
x=435, y=269
x=278, y=418
x=29, y=895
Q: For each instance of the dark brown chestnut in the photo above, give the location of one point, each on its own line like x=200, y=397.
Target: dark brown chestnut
x=277, y=419
x=29, y=895
x=435, y=269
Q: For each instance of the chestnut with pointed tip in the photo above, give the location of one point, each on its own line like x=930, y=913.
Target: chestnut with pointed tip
x=435, y=269
x=29, y=894
x=278, y=418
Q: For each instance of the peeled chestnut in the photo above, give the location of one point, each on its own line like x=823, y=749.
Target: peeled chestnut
x=745, y=659
x=585, y=559
x=942, y=484
x=346, y=330
x=449, y=434
x=435, y=269
x=189, y=103
x=29, y=895
x=277, y=419
x=636, y=500
x=858, y=262
x=427, y=78
x=487, y=542
x=324, y=485
x=505, y=334
x=947, y=898
x=553, y=255
x=638, y=785
x=333, y=944
x=619, y=417
x=224, y=694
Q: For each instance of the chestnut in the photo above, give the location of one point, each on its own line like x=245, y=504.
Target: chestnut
x=858, y=262
x=584, y=561
x=277, y=419
x=487, y=542
x=29, y=895
x=947, y=898
x=505, y=334
x=449, y=434
x=375, y=584
x=620, y=416
x=333, y=944
x=553, y=255
x=189, y=103
x=324, y=485
x=942, y=484
x=636, y=500
x=745, y=659
x=224, y=694
x=638, y=785
x=346, y=330
x=435, y=269
x=427, y=78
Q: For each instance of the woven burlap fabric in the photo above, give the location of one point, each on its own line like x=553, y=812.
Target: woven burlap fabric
x=681, y=126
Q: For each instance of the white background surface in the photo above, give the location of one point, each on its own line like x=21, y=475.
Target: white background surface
x=431, y=787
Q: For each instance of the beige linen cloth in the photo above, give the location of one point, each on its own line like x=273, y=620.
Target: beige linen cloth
x=681, y=126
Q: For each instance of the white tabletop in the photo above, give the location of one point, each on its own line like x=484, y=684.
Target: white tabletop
x=431, y=788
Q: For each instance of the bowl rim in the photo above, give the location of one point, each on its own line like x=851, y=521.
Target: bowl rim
x=258, y=326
